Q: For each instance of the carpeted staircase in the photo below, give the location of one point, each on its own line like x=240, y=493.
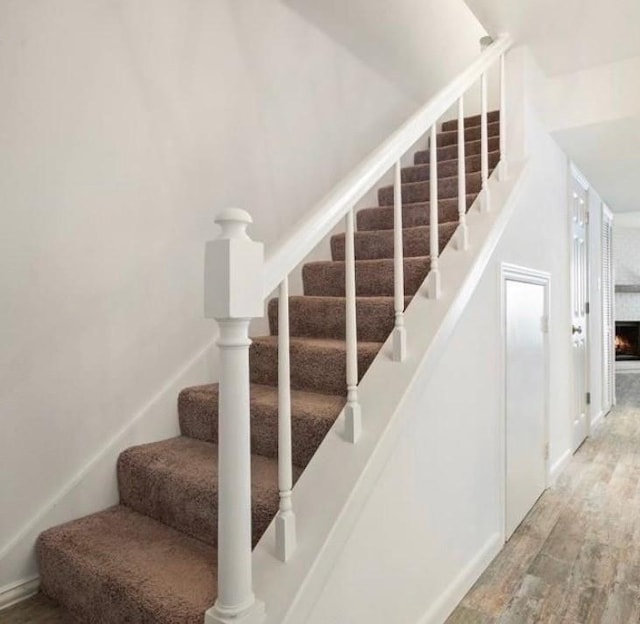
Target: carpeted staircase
x=152, y=558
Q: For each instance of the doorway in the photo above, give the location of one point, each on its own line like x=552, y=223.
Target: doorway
x=525, y=305
x=579, y=219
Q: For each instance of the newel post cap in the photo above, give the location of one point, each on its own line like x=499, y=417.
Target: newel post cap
x=233, y=275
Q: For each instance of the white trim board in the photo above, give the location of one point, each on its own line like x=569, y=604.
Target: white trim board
x=456, y=591
x=17, y=592
x=597, y=420
x=558, y=467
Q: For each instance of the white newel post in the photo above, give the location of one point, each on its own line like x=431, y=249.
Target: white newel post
x=233, y=296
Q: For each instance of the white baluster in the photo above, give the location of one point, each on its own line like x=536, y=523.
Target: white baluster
x=399, y=331
x=285, y=519
x=433, y=279
x=503, y=169
x=484, y=146
x=353, y=417
x=462, y=233
x=233, y=266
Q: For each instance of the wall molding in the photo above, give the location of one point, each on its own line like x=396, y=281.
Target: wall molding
x=17, y=592
x=457, y=589
x=597, y=420
x=558, y=467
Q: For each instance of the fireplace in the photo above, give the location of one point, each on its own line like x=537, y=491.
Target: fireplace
x=627, y=340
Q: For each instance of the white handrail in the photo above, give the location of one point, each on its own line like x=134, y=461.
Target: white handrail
x=308, y=232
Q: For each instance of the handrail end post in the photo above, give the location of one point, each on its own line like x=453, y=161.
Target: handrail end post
x=233, y=295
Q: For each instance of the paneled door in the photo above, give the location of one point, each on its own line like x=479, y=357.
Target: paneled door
x=526, y=391
x=579, y=212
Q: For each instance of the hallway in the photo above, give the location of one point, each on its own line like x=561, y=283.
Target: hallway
x=576, y=557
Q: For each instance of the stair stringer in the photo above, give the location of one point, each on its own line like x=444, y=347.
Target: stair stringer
x=332, y=491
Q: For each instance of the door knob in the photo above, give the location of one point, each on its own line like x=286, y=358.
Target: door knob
x=576, y=329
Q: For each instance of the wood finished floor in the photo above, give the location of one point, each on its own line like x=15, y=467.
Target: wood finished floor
x=576, y=557
x=574, y=560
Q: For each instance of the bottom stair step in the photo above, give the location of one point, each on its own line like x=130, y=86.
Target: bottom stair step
x=119, y=566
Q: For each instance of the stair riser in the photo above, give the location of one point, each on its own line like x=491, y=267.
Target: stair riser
x=473, y=133
x=379, y=244
x=199, y=420
x=469, y=122
x=326, y=318
x=447, y=169
x=450, y=152
x=420, y=191
x=314, y=370
x=413, y=215
x=327, y=279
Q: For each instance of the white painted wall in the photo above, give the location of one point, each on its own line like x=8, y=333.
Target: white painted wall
x=124, y=127
x=435, y=519
x=420, y=45
x=626, y=262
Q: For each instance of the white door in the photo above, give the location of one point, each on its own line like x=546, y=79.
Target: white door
x=526, y=392
x=579, y=298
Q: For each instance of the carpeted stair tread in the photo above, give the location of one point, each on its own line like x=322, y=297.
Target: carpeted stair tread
x=325, y=317
x=375, y=244
x=414, y=192
x=373, y=277
x=312, y=415
x=447, y=168
x=176, y=482
x=317, y=364
x=413, y=215
x=450, y=152
x=473, y=120
x=471, y=133
x=119, y=566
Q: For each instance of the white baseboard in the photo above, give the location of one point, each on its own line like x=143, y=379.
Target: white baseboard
x=452, y=595
x=597, y=420
x=17, y=592
x=559, y=466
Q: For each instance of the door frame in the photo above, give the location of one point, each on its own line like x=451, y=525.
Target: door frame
x=514, y=272
x=575, y=174
x=608, y=381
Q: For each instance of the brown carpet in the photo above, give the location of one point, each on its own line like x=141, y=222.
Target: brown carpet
x=152, y=559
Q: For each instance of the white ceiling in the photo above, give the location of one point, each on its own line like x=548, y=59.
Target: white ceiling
x=583, y=47
x=566, y=35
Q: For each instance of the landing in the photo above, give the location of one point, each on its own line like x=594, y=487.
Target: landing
x=576, y=557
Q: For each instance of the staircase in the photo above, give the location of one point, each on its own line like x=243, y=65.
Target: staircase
x=153, y=557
